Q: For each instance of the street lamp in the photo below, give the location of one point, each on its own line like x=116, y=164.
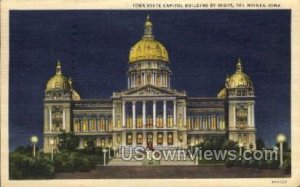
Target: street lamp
x=240, y=146
x=280, y=139
x=52, y=148
x=115, y=149
x=34, y=140
x=104, y=156
x=192, y=147
x=109, y=146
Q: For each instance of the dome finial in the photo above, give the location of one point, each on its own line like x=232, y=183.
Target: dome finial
x=148, y=28
x=239, y=66
x=58, y=68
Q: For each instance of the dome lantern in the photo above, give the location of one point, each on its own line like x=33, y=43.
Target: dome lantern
x=148, y=28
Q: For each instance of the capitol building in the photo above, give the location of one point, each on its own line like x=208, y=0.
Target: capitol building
x=149, y=110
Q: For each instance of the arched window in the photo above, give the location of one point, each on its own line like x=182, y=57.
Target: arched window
x=77, y=125
x=102, y=124
x=85, y=124
x=139, y=138
x=129, y=139
x=170, y=138
x=93, y=124
x=159, y=138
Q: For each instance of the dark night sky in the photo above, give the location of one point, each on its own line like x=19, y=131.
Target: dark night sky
x=203, y=46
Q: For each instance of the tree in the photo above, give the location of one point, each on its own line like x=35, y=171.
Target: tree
x=230, y=145
x=90, y=145
x=259, y=144
x=68, y=141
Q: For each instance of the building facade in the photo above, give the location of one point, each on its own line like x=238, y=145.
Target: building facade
x=149, y=110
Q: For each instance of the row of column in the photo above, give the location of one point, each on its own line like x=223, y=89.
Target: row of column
x=164, y=80
x=144, y=113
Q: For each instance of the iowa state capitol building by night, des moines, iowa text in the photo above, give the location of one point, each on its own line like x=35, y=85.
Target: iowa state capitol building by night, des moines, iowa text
x=149, y=110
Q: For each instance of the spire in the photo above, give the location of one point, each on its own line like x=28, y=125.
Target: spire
x=227, y=81
x=148, y=28
x=239, y=66
x=71, y=81
x=58, y=68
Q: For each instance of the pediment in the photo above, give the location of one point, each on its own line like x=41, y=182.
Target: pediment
x=148, y=91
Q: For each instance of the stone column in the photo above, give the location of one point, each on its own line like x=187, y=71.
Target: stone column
x=175, y=138
x=174, y=113
x=64, y=119
x=234, y=116
x=123, y=143
x=133, y=115
x=114, y=116
x=124, y=114
x=154, y=114
x=165, y=114
x=128, y=82
x=50, y=119
x=253, y=116
x=165, y=136
x=249, y=116
x=154, y=139
x=144, y=114
x=184, y=115
x=144, y=139
x=133, y=138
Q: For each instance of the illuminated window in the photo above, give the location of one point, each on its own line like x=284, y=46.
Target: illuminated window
x=159, y=121
x=170, y=138
x=241, y=116
x=159, y=138
x=129, y=122
x=170, y=121
x=102, y=124
x=85, y=124
x=149, y=121
x=139, y=121
x=139, y=138
x=93, y=124
x=129, y=139
x=77, y=125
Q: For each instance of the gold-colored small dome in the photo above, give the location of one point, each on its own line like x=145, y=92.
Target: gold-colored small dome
x=222, y=93
x=239, y=79
x=148, y=48
x=58, y=81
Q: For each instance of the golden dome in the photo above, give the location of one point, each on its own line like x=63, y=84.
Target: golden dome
x=239, y=79
x=58, y=81
x=148, y=48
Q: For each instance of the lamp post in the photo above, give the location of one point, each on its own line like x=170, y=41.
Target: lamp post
x=104, y=156
x=192, y=147
x=280, y=139
x=34, y=140
x=115, y=149
x=52, y=148
x=109, y=146
x=240, y=146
